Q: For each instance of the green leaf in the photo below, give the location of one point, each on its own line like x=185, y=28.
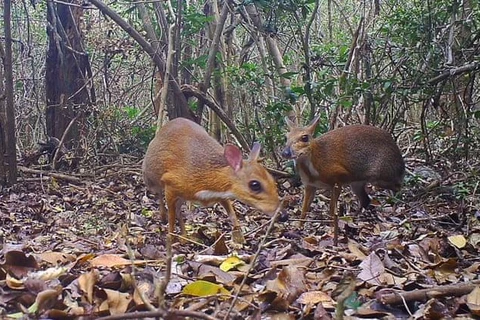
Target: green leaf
x=352, y=302
x=288, y=75
x=345, y=103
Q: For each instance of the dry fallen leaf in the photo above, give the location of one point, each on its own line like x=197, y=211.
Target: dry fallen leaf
x=87, y=281
x=48, y=274
x=47, y=298
x=109, y=261
x=211, y=273
x=354, y=248
x=446, y=271
x=143, y=288
x=372, y=269
x=118, y=302
x=315, y=297
x=458, y=241
x=473, y=301
x=286, y=288
x=56, y=258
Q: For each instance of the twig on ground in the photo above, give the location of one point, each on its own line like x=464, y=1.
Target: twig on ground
x=58, y=152
x=52, y=175
x=214, y=244
x=190, y=240
x=161, y=288
x=131, y=256
x=394, y=297
x=254, y=260
x=160, y=313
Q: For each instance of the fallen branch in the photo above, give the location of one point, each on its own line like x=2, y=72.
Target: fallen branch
x=391, y=297
x=173, y=314
x=55, y=175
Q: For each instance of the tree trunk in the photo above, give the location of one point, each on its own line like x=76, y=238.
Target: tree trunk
x=67, y=73
x=180, y=108
x=8, y=159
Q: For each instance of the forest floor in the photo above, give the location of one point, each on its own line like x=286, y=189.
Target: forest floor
x=90, y=246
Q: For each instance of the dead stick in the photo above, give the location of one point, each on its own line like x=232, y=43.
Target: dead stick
x=175, y=314
x=62, y=142
x=400, y=297
x=254, y=260
x=52, y=174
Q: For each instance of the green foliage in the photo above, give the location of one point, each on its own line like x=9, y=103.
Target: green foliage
x=139, y=136
x=194, y=21
x=463, y=189
x=353, y=301
x=248, y=73
x=200, y=62
x=130, y=135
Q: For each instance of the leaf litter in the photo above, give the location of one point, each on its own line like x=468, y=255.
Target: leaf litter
x=98, y=249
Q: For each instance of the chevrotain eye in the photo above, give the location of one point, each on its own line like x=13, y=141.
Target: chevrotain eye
x=255, y=186
x=304, y=138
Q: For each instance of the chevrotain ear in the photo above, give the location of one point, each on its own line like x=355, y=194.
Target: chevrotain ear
x=313, y=124
x=290, y=123
x=233, y=156
x=255, y=151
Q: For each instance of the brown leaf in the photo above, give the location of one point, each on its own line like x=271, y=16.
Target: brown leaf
x=355, y=248
x=321, y=314
x=48, y=298
x=56, y=258
x=316, y=297
x=435, y=309
x=220, y=246
x=110, y=261
x=473, y=301
x=82, y=259
x=112, y=280
x=287, y=287
x=87, y=281
x=118, y=302
x=145, y=288
x=18, y=264
x=447, y=270
x=297, y=260
x=18, y=258
x=367, y=312
x=372, y=269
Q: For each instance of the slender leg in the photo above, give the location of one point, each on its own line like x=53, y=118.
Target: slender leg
x=359, y=189
x=161, y=206
x=334, y=212
x=179, y=217
x=173, y=204
x=237, y=234
x=308, y=195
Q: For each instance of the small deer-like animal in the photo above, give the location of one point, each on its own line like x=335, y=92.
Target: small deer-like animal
x=184, y=163
x=354, y=155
